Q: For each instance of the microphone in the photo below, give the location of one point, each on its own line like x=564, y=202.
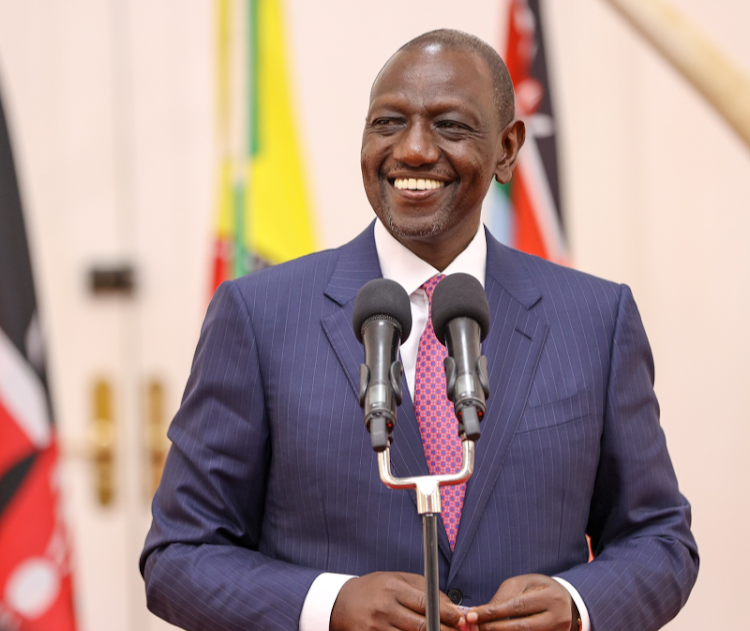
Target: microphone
x=381, y=320
x=461, y=319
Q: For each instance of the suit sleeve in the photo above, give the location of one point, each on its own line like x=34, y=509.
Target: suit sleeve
x=201, y=561
x=646, y=560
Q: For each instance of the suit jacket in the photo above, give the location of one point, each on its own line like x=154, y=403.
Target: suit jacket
x=271, y=478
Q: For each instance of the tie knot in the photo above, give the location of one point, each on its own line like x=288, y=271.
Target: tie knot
x=429, y=285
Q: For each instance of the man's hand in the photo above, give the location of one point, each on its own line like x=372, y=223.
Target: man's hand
x=386, y=600
x=532, y=602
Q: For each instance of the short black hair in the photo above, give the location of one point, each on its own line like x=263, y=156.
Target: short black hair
x=502, y=85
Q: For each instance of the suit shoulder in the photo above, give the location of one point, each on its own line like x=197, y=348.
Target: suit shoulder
x=561, y=294
x=563, y=279
x=577, y=306
x=305, y=278
x=305, y=271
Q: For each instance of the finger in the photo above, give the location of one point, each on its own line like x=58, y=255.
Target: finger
x=393, y=614
x=413, y=597
x=450, y=617
x=406, y=619
x=510, y=588
x=533, y=601
x=516, y=607
x=449, y=613
x=537, y=622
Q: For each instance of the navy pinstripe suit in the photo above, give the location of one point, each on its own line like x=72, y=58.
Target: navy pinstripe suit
x=271, y=478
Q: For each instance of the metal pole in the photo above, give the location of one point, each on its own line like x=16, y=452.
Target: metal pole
x=428, y=505
x=432, y=586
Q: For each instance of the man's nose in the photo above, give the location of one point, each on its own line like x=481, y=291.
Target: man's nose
x=416, y=145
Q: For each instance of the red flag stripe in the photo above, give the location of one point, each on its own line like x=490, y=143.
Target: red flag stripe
x=542, y=204
x=35, y=581
x=526, y=234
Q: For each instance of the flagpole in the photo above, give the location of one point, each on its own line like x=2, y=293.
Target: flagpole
x=721, y=82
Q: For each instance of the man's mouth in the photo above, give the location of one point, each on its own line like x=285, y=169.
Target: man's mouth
x=417, y=184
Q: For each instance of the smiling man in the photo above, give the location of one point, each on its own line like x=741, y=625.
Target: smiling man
x=271, y=514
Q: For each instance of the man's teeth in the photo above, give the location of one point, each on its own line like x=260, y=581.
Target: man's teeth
x=413, y=184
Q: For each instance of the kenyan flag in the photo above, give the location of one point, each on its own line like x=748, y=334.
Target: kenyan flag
x=35, y=583
x=526, y=213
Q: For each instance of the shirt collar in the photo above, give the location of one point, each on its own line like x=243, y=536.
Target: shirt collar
x=400, y=264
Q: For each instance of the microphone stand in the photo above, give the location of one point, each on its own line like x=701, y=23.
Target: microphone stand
x=467, y=386
x=428, y=505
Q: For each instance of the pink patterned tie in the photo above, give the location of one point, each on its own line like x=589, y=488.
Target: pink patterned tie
x=436, y=419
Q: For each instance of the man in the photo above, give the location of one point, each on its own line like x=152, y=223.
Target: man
x=271, y=513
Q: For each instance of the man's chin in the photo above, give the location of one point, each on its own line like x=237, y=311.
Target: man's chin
x=425, y=229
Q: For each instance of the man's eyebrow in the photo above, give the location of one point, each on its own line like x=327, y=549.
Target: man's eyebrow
x=397, y=101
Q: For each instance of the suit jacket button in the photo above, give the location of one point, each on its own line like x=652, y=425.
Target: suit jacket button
x=455, y=595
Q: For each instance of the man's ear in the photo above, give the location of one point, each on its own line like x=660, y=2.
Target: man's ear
x=512, y=139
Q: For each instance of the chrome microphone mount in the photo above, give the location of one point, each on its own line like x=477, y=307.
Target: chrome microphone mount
x=428, y=506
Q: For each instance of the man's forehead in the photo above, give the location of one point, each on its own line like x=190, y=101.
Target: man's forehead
x=430, y=65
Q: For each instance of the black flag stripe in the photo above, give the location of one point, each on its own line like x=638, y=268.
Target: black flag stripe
x=13, y=478
x=547, y=145
x=17, y=299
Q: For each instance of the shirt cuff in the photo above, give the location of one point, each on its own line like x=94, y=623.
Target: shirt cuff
x=582, y=611
x=318, y=605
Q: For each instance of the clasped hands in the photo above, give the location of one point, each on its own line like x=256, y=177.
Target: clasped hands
x=384, y=601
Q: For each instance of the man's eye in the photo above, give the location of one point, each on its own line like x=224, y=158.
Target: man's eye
x=384, y=122
x=450, y=125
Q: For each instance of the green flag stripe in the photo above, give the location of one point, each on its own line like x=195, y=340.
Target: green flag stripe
x=253, y=66
x=240, y=258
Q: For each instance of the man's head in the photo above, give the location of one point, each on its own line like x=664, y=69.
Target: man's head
x=439, y=128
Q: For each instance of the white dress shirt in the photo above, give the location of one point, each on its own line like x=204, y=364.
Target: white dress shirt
x=400, y=264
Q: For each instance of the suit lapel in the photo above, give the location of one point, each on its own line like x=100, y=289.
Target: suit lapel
x=513, y=347
x=358, y=264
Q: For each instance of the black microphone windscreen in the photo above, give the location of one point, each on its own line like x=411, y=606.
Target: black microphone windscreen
x=382, y=297
x=459, y=296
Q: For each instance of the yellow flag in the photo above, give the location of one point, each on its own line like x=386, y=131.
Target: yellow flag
x=264, y=214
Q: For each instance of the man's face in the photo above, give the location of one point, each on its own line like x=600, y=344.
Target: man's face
x=431, y=146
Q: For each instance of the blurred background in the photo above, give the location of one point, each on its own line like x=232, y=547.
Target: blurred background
x=135, y=126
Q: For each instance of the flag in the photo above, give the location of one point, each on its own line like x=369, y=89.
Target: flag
x=526, y=213
x=35, y=581
x=264, y=214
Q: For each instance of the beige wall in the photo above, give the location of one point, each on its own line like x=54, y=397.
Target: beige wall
x=657, y=192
